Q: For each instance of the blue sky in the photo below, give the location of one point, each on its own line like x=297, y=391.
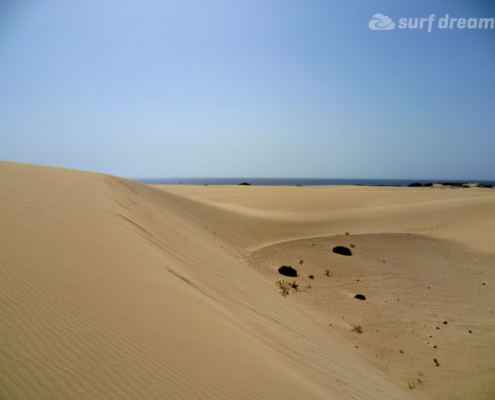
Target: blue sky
x=253, y=88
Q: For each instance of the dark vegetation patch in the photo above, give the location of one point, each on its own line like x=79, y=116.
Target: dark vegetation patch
x=342, y=250
x=455, y=184
x=287, y=271
x=245, y=184
x=360, y=297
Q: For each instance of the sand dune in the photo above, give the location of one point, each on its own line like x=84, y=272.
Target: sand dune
x=115, y=289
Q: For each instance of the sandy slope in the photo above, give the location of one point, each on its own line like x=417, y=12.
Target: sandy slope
x=425, y=259
x=114, y=289
x=426, y=299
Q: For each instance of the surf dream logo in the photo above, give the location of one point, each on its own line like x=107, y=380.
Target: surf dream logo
x=380, y=22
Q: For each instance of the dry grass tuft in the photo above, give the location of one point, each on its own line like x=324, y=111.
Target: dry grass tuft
x=286, y=286
x=283, y=286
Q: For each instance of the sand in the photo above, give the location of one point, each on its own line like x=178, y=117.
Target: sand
x=113, y=289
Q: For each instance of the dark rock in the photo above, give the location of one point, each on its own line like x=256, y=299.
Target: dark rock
x=311, y=277
x=342, y=250
x=245, y=184
x=360, y=297
x=287, y=271
x=383, y=185
x=454, y=184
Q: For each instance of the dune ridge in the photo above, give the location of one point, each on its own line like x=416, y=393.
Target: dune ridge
x=114, y=289
x=467, y=215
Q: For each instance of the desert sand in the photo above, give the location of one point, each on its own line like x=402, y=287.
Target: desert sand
x=112, y=289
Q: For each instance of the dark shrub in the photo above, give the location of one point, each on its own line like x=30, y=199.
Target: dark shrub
x=287, y=271
x=342, y=250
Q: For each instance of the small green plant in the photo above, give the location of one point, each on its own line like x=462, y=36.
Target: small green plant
x=357, y=328
x=328, y=273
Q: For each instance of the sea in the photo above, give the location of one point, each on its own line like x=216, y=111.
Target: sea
x=299, y=181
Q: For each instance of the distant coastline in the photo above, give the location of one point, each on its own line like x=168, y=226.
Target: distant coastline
x=301, y=181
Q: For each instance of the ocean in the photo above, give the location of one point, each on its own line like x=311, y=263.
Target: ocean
x=298, y=181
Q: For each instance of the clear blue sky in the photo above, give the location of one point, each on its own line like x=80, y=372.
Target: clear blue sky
x=252, y=88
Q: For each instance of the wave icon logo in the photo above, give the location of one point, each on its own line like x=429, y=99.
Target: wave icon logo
x=381, y=23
